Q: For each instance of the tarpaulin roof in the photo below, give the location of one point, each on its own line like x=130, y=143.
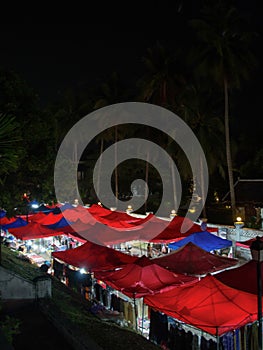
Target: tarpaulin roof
x=139, y=279
x=193, y=260
x=105, y=235
x=74, y=227
x=121, y=219
x=48, y=219
x=18, y=222
x=33, y=231
x=5, y=220
x=98, y=210
x=38, y=216
x=79, y=213
x=59, y=225
x=242, y=278
x=174, y=230
x=94, y=257
x=2, y=213
x=247, y=244
x=208, y=304
x=42, y=208
x=204, y=240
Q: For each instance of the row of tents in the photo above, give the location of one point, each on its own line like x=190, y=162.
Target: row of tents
x=106, y=227
x=185, y=284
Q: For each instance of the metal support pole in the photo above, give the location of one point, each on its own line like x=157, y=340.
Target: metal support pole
x=259, y=304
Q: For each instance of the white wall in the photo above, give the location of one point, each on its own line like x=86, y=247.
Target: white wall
x=13, y=286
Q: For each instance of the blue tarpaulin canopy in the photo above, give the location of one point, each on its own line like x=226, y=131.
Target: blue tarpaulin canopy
x=204, y=240
x=61, y=223
x=2, y=213
x=19, y=222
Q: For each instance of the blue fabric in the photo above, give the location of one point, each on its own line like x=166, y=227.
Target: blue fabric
x=17, y=223
x=61, y=223
x=204, y=240
x=2, y=213
x=43, y=209
x=66, y=206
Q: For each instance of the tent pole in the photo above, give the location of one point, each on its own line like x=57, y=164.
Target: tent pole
x=135, y=310
x=142, y=313
x=217, y=340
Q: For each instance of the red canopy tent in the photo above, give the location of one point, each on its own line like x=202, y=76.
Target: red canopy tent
x=37, y=217
x=193, y=260
x=173, y=231
x=105, y=235
x=94, y=257
x=5, y=220
x=142, y=277
x=208, y=304
x=247, y=244
x=96, y=209
x=33, y=230
x=79, y=213
x=242, y=278
x=121, y=219
x=49, y=219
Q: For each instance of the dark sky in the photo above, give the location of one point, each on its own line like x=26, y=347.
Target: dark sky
x=52, y=57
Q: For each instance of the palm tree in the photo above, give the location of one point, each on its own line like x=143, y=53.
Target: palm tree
x=161, y=85
x=198, y=109
x=223, y=55
x=9, y=147
x=110, y=92
x=163, y=77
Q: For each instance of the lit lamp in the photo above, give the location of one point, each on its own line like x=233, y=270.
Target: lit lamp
x=238, y=225
x=256, y=249
x=34, y=204
x=129, y=209
x=172, y=214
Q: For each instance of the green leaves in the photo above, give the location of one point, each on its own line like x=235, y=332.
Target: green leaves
x=9, y=144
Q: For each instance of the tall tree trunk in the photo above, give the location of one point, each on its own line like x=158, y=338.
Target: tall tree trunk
x=175, y=203
x=75, y=161
x=146, y=181
x=202, y=187
x=99, y=172
x=116, y=163
x=228, y=152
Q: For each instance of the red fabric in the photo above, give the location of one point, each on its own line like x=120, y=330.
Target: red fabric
x=121, y=219
x=242, y=278
x=247, y=244
x=208, y=304
x=106, y=235
x=143, y=278
x=96, y=209
x=79, y=213
x=174, y=230
x=193, y=260
x=38, y=217
x=33, y=230
x=6, y=221
x=48, y=219
x=77, y=228
x=94, y=257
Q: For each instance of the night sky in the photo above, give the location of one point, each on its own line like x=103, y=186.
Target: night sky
x=54, y=57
